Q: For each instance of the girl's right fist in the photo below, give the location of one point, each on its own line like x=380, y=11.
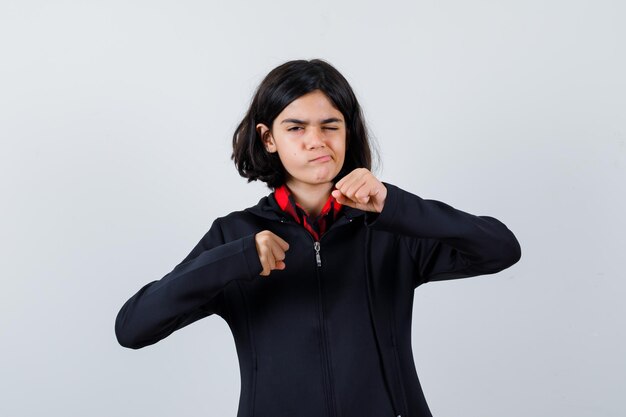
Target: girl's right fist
x=271, y=250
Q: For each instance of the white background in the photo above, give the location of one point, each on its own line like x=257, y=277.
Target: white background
x=116, y=120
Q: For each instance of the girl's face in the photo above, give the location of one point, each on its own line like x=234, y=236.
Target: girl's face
x=310, y=138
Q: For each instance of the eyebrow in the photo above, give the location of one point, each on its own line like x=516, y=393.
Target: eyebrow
x=305, y=122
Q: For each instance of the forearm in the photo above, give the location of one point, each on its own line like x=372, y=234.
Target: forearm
x=188, y=293
x=446, y=241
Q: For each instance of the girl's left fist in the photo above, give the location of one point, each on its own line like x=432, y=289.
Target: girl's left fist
x=360, y=189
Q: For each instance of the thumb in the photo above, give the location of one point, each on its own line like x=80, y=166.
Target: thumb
x=343, y=199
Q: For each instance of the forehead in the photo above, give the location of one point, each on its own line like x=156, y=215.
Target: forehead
x=316, y=104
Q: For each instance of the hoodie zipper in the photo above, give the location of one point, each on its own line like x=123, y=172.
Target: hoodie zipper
x=328, y=386
x=318, y=258
x=325, y=349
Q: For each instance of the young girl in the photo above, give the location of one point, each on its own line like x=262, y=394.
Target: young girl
x=316, y=281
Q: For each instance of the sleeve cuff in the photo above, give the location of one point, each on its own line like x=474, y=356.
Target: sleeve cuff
x=251, y=256
x=375, y=220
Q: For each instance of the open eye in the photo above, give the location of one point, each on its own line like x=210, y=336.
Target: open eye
x=294, y=128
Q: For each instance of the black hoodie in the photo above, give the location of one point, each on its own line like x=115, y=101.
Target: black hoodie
x=331, y=334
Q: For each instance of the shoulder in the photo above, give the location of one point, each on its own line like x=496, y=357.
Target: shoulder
x=241, y=223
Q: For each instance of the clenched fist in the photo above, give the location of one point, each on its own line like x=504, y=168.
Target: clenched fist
x=271, y=250
x=362, y=190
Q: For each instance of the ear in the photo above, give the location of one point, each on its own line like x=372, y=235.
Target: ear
x=266, y=137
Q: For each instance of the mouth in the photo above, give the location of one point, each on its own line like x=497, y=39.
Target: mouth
x=323, y=158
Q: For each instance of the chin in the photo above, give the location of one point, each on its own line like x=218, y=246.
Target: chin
x=325, y=178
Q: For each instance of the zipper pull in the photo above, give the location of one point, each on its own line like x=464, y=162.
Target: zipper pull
x=318, y=258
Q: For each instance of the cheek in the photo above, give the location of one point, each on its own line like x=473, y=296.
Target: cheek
x=342, y=148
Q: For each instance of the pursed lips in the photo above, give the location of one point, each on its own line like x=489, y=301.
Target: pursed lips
x=320, y=158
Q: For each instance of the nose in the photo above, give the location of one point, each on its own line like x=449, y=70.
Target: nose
x=315, y=139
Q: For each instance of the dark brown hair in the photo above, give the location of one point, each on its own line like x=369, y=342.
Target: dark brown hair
x=280, y=87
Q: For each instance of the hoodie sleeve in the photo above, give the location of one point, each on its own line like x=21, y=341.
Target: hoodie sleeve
x=191, y=291
x=445, y=243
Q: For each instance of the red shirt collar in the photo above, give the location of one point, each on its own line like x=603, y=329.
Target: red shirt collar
x=317, y=226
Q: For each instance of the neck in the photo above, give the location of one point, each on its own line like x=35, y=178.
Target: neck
x=311, y=197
